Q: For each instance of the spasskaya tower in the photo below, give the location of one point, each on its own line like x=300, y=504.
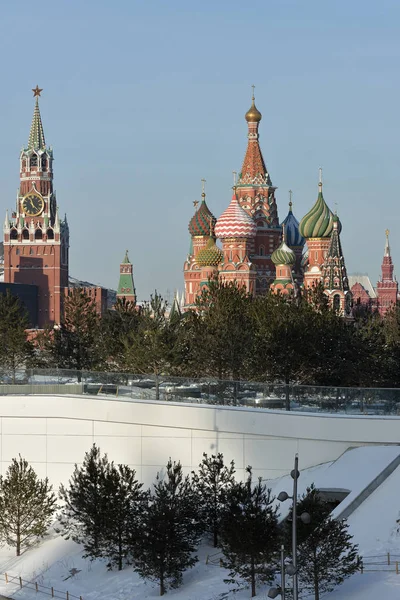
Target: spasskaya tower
x=36, y=240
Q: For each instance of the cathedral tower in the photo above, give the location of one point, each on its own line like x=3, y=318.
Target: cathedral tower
x=316, y=228
x=334, y=274
x=237, y=231
x=201, y=229
x=256, y=195
x=387, y=287
x=294, y=240
x=36, y=240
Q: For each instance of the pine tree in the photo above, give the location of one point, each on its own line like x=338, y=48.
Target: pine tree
x=171, y=530
x=27, y=505
x=326, y=554
x=125, y=502
x=212, y=483
x=150, y=349
x=85, y=511
x=15, y=349
x=76, y=343
x=249, y=533
x=116, y=326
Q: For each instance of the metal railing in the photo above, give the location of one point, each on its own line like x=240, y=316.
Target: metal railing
x=128, y=386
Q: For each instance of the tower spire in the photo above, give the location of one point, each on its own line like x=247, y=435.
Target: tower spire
x=254, y=170
x=36, y=135
x=387, y=247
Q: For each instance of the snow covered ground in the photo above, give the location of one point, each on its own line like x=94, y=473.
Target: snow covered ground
x=373, y=524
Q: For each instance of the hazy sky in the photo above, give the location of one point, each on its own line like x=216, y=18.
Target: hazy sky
x=144, y=98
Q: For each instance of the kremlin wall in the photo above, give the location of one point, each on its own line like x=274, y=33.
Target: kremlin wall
x=254, y=248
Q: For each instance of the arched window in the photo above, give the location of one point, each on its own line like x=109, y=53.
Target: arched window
x=44, y=163
x=33, y=161
x=25, y=234
x=13, y=234
x=50, y=234
x=17, y=251
x=261, y=251
x=336, y=302
x=38, y=234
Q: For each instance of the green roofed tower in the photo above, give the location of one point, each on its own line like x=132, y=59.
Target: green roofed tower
x=126, y=287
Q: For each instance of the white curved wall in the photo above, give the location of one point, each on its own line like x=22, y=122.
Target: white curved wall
x=54, y=432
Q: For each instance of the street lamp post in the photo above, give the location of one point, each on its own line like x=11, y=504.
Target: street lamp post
x=305, y=517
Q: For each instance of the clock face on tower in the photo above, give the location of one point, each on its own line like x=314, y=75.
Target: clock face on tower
x=32, y=205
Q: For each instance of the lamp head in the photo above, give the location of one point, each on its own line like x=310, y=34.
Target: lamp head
x=282, y=496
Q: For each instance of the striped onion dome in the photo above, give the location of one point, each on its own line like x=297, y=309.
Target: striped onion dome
x=318, y=222
x=202, y=220
x=235, y=222
x=292, y=233
x=210, y=255
x=283, y=255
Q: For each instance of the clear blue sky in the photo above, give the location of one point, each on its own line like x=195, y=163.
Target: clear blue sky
x=144, y=98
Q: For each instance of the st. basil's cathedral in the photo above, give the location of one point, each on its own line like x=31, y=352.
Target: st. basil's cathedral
x=256, y=250
x=261, y=254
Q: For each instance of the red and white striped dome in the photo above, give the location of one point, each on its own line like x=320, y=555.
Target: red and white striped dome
x=235, y=222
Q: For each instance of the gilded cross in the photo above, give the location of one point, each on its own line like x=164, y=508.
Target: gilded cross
x=203, y=186
x=290, y=198
x=234, y=178
x=254, y=87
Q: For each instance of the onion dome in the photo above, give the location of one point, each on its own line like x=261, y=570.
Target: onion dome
x=318, y=222
x=291, y=225
x=210, y=255
x=253, y=115
x=235, y=222
x=283, y=255
x=203, y=221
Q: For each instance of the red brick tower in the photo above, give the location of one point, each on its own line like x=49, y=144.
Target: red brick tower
x=201, y=228
x=256, y=196
x=387, y=288
x=237, y=231
x=316, y=228
x=36, y=240
x=126, y=286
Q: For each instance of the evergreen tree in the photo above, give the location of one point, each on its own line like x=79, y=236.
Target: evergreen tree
x=224, y=333
x=150, y=349
x=326, y=555
x=27, y=505
x=171, y=530
x=76, y=342
x=249, y=533
x=212, y=484
x=86, y=506
x=15, y=349
x=125, y=501
x=116, y=326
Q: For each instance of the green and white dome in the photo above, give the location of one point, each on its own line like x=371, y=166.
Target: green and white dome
x=283, y=255
x=318, y=222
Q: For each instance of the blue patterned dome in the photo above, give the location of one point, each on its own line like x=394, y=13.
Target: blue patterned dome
x=293, y=236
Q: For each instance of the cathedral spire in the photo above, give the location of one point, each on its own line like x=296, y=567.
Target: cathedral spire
x=254, y=171
x=36, y=135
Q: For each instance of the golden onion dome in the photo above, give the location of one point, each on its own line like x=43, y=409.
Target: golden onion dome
x=253, y=115
x=210, y=255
